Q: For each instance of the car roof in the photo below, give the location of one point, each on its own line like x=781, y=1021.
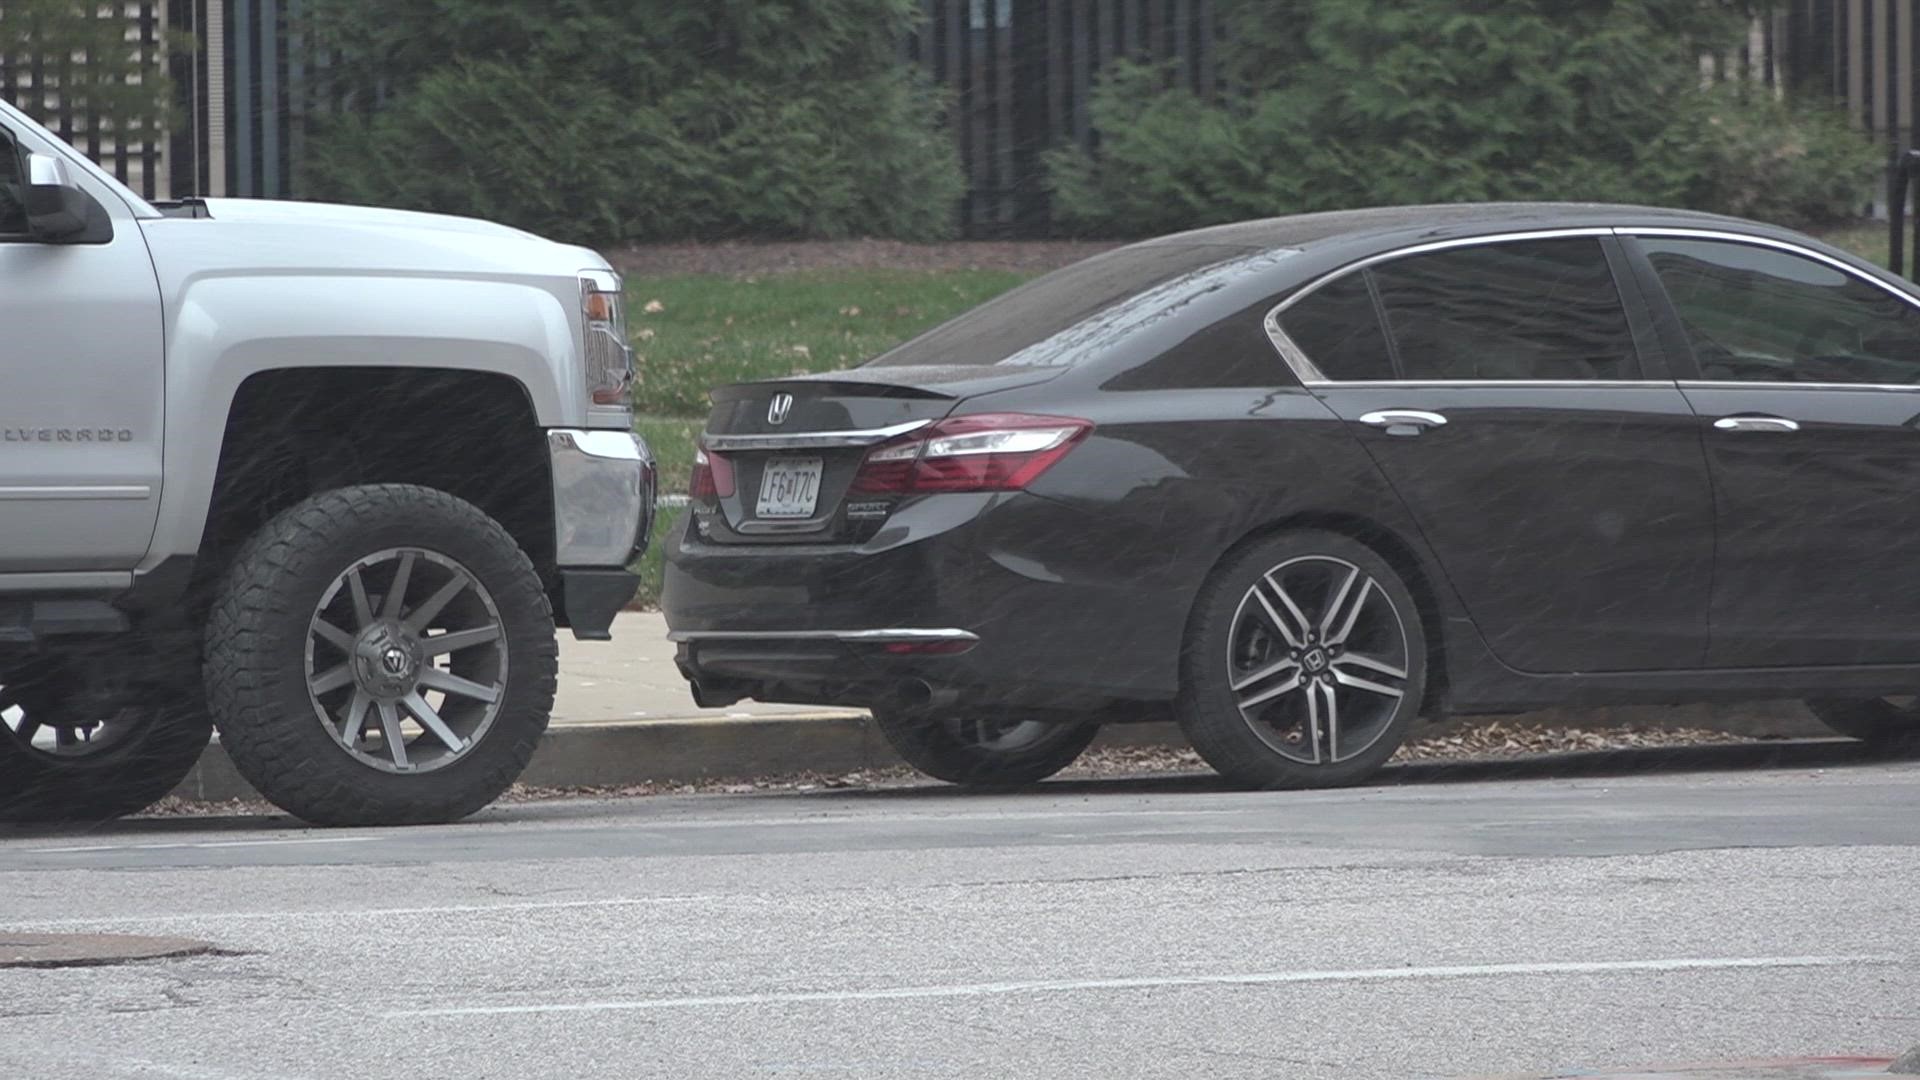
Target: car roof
x=1393, y=226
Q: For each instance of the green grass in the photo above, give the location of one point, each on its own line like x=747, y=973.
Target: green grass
x=1867, y=240
x=671, y=439
x=692, y=332
x=651, y=562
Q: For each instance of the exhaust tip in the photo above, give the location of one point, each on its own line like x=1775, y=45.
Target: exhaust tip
x=708, y=697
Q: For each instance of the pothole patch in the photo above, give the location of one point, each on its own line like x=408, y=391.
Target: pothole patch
x=91, y=950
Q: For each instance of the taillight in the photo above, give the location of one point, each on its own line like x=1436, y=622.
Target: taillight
x=712, y=476
x=983, y=452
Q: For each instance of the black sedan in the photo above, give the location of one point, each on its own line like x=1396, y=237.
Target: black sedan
x=1300, y=481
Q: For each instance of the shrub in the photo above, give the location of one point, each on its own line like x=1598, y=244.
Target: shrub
x=1753, y=156
x=1368, y=102
x=607, y=121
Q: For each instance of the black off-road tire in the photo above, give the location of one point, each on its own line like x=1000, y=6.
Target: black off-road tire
x=939, y=744
x=156, y=753
x=257, y=636
x=1207, y=707
x=1875, y=721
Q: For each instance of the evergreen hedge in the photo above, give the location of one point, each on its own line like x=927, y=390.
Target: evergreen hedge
x=1343, y=103
x=609, y=121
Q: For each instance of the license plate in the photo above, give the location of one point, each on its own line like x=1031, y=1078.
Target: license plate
x=789, y=488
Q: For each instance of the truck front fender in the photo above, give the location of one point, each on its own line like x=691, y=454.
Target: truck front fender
x=223, y=330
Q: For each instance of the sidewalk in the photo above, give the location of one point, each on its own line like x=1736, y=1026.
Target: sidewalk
x=632, y=677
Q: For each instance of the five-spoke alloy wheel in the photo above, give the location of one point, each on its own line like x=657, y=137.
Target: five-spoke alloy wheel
x=1305, y=663
x=381, y=655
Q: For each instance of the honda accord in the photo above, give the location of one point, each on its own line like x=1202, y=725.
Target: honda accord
x=1299, y=482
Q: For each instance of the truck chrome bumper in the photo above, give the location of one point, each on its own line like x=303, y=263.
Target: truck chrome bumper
x=603, y=488
x=602, y=496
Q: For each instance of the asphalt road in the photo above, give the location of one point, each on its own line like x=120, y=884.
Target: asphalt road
x=1455, y=922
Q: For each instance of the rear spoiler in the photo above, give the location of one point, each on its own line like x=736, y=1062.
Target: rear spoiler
x=839, y=384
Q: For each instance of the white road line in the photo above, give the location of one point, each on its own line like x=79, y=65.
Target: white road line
x=202, y=844
x=374, y=913
x=1266, y=978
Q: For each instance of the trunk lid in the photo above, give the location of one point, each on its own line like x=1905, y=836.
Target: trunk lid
x=794, y=444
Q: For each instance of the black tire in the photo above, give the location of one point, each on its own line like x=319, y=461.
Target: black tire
x=148, y=750
x=1871, y=720
x=258, y=654
x=986, y=747
x=1259, y=735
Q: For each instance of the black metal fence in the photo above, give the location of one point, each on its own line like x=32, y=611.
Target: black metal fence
x=39, y=85
x=1857, y=52
x=1020, y=73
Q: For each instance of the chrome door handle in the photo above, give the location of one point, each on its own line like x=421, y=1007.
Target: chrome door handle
x=1755, y=423
x=1404, y=421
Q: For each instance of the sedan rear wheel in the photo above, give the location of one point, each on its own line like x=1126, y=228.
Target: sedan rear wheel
x=986, y=747
x=1305, y=663
x=1892, y=722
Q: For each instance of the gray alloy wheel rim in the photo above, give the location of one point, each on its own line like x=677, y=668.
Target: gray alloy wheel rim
x=406, y=661
x=34, y=712
x=1317, y=660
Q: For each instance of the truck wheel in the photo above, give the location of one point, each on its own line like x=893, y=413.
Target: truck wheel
x=381, y=655
x=68, y=755
x=989, y=748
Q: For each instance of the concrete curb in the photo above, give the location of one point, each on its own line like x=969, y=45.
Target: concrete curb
x=669, y=751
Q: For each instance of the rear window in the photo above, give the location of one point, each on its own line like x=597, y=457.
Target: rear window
x=1074, y=312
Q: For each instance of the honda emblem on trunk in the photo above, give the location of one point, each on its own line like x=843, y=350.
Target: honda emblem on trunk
x=778, y=408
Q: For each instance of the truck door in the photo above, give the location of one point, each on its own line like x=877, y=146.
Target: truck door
x=81, y=381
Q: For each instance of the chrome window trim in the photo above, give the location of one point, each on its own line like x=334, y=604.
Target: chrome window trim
x=1710, y=384
x=808, y=440
x=1496, y=384
x=1313, y=376
x=1779, y=245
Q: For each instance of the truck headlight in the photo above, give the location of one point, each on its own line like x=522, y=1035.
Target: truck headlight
x=609, y=358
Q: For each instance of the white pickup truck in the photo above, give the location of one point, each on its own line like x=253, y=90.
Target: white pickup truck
x=323, y=477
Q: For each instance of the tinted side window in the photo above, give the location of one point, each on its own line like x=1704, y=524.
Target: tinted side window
x=1531, y=309
x=1755, y=314
x=1339, y=330
x=13, y=213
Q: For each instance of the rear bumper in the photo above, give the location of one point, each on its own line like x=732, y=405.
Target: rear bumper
x=936, y=608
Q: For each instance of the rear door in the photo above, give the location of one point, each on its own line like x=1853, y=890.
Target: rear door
x=1561, y=484
x=1806, y=376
